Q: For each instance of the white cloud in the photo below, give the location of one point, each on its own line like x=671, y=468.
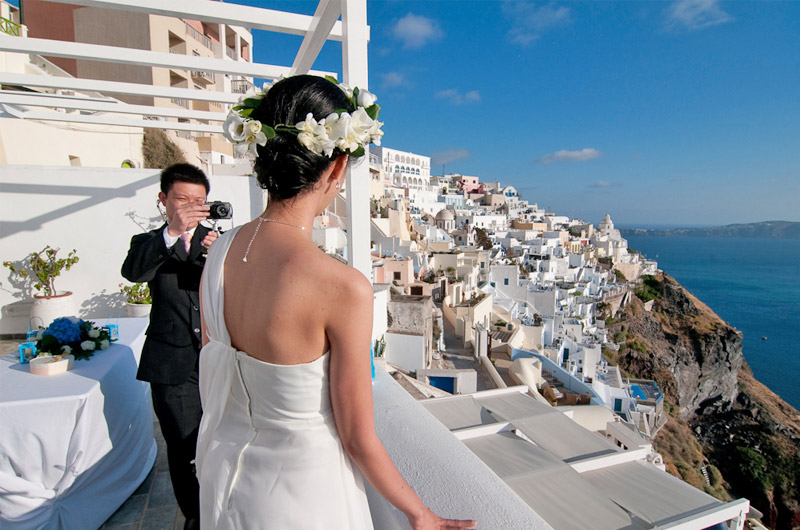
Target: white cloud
x=696, y=14
x=416, y=31
x=530, y=21
x=605, y=184
x=457, y=98
x=393, y=80
x=448, y=156
x=570, y=156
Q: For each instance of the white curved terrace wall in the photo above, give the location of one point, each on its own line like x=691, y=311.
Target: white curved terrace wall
x=447, y=476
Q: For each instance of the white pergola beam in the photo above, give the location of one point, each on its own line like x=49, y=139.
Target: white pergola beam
x=112, y=120
x=354, y=66
x=115, y=87
x=325, y=17
x=116, y=54
x=33, y=100
x=221, y=13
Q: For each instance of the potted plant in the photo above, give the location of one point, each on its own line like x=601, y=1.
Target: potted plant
x=138, y=299
x=45, y=267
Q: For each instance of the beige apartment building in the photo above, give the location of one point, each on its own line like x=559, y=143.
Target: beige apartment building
x=144, y=31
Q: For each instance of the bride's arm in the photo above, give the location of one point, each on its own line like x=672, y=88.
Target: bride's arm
x=349, y=330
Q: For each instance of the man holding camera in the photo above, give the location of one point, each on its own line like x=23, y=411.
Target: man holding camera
x=171, y=259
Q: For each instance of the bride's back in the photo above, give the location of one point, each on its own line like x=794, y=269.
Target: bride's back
x=276, y=303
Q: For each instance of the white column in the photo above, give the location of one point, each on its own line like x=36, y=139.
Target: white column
x=355, y=35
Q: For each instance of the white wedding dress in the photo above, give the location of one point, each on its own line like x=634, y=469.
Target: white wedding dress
x=268, y=452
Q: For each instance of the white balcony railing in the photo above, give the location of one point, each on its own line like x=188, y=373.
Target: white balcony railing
x=199, y=37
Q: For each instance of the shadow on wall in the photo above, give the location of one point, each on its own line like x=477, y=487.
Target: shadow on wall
x=103, y=304
x=146, y=223
x=93, y=197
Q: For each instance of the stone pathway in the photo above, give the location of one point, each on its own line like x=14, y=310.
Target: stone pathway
x=152, y=506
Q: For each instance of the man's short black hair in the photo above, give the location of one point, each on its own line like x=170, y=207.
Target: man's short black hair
x=183, y=173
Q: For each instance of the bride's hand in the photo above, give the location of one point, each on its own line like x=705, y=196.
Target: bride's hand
x=430, y=521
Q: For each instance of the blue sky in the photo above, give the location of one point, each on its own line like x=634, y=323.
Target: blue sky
x=684, y=112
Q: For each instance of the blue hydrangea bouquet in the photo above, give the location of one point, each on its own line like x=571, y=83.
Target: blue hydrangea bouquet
x=71, y=336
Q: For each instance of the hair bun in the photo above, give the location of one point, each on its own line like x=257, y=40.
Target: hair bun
x=283, y=166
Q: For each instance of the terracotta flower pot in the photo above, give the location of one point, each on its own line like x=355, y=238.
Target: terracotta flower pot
x=49, y=308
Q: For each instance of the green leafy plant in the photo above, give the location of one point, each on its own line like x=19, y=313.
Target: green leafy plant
x=138, y=293
x=45, y=266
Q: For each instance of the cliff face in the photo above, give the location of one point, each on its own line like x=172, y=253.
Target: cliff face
x=745, y=430
x=685, y=347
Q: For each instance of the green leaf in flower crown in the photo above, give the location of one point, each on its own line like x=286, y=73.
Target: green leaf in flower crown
x=245, y=113
x=332, y=79
x=373, y=111
x=355, y=97
x=238, y=107
x=268, y=131
x=251, y=102
x=358, y=152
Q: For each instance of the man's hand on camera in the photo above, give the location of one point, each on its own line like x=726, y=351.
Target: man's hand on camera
x=187, y=216
x=209, y=239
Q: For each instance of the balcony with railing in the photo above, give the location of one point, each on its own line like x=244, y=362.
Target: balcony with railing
x=203, y=77
x=9, y=27
x=241, y=86
x=230, y=52
x=199, y=37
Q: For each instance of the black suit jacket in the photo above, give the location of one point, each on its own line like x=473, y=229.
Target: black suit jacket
x=171, y=349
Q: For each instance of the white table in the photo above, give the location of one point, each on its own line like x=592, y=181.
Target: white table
x=74, y=446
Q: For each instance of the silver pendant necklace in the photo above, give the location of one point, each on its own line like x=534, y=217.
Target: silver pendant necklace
x=255, y=232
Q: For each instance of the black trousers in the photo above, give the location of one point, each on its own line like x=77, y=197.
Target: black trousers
x=178, y=410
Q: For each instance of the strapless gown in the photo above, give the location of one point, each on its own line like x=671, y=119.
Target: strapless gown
x=268, y=453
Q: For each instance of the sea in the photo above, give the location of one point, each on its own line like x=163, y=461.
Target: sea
x=754, y=285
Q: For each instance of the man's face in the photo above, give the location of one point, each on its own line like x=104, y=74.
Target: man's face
x=182, y=195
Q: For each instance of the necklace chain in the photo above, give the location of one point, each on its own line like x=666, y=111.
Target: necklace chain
x=255, y=232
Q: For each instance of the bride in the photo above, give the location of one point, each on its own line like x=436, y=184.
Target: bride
x=287, y=434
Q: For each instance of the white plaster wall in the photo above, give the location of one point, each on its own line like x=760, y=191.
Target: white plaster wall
x=95, y=211
x=379, y=316
x=52, y=143
x=447, y=476
x=405, y=351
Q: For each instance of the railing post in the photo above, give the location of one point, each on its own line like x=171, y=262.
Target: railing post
x=354, y=60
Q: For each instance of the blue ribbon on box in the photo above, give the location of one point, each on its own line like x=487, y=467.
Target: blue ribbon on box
x=27, y=351
x=112, y=329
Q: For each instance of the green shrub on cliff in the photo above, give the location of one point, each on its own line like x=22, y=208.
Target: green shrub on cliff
x=752, y=464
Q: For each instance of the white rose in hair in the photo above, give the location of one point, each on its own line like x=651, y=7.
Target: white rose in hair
x=104, y=344
x=366, y=98
x=233, y=128
x=66, y=349
x=347, y=89
x=362, y=125
x=342, y=132
x=88, y=345
x=253, y=135
x=314, y=136
x=93, y=333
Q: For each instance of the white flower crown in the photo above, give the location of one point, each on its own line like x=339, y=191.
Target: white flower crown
x=350, y=133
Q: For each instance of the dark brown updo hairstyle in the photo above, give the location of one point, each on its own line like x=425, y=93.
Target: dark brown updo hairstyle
x=283, y=166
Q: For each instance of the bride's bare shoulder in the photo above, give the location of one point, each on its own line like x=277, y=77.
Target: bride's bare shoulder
x=341, y=280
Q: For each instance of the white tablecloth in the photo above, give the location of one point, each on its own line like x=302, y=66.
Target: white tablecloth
x=74, y=446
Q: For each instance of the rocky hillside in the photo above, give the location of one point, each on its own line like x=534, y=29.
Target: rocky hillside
x=748, y=437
